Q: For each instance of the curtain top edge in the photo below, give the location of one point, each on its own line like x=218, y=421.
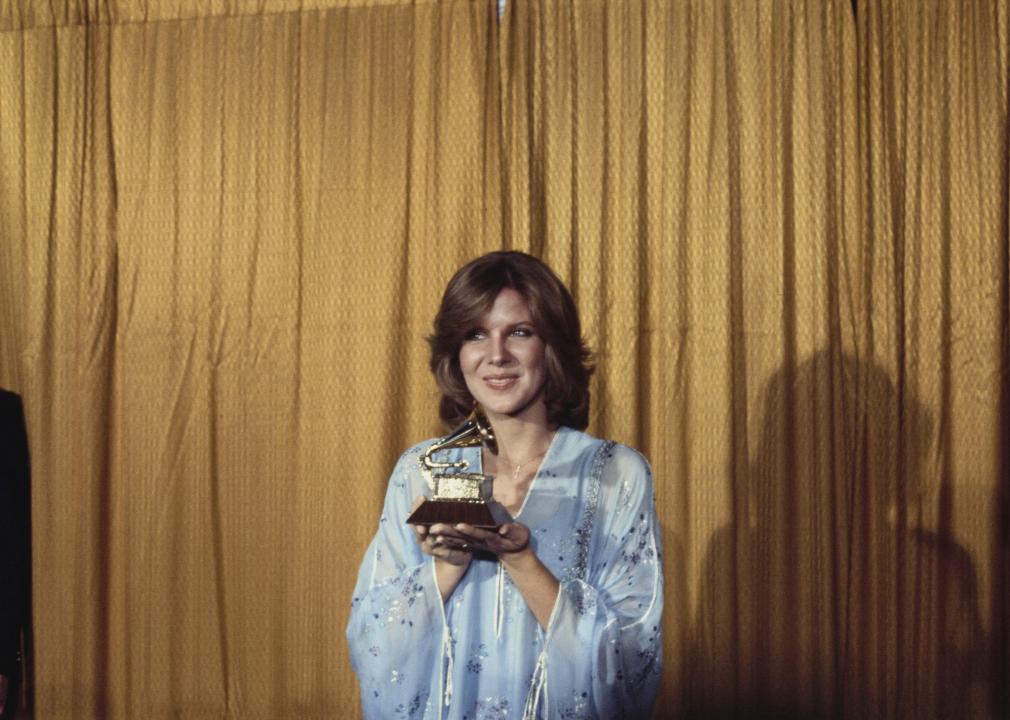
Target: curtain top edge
x=19, y=15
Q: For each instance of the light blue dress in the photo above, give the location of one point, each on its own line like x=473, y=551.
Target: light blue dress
x=482, y=654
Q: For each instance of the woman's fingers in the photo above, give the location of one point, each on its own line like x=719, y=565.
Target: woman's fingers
x=455, y=543
x=510, y=537
x=454, y=555
x=473, y=534
x=446, y=531
x=452, y=548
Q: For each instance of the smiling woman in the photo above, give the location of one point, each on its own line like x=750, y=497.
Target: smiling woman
x=557, y=611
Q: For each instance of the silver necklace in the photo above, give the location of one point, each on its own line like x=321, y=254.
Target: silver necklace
x=520, y=466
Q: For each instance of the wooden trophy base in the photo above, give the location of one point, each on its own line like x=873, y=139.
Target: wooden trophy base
x=485, y=515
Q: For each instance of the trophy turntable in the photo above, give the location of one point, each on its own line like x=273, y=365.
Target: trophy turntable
x=459, y=496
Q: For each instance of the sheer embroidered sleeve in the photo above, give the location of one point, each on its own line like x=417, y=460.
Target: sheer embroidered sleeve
x=603, y=650
x=397, y=616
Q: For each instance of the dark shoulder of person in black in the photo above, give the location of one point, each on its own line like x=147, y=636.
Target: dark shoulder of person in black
x=15, y=546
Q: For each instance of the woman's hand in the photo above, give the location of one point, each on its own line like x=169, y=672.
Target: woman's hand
x=443, y=544
x=508, y=539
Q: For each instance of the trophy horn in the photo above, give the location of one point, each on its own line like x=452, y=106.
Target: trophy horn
x=475, y=430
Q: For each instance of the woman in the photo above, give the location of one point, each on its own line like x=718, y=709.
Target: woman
x=557, y=613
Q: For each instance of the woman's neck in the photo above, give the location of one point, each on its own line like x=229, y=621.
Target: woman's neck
x=521, y=438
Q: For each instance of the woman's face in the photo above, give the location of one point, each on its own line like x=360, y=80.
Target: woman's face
x=502, y=360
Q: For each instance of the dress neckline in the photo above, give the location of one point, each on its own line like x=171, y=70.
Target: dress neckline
x=548, y=456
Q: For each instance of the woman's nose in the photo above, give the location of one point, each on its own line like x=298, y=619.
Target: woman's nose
x=499, y=352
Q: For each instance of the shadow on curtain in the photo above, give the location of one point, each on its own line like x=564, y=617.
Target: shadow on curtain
x=826, y=590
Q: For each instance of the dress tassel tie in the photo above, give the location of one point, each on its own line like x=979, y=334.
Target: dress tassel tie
x=537, y=686
x=447, y=650
x=499, y=606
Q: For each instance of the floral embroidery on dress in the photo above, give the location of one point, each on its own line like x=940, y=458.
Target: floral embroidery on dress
x=492, y=708
x=411, y=591
x=637, y=544
x=579, y=709
x=647, y=657
x=475, y=663
x=410, y=709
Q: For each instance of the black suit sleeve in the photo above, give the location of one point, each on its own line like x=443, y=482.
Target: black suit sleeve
x=15, y=532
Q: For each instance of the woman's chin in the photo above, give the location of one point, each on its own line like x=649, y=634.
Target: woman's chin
x=529, y=412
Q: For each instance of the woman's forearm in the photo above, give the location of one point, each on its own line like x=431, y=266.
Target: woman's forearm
x=535, y=582
x=447, y=576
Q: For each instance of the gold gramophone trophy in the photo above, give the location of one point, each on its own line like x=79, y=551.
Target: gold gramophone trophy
x=459, y=496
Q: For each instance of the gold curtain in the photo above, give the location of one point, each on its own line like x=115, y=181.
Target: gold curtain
x=224, y=228
x=786, y=225
x=224, y=237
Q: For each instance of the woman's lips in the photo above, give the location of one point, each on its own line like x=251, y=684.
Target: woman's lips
x=500, y=382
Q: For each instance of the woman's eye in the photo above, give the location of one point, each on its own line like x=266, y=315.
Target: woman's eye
x=473, y=335
x=523, y=332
